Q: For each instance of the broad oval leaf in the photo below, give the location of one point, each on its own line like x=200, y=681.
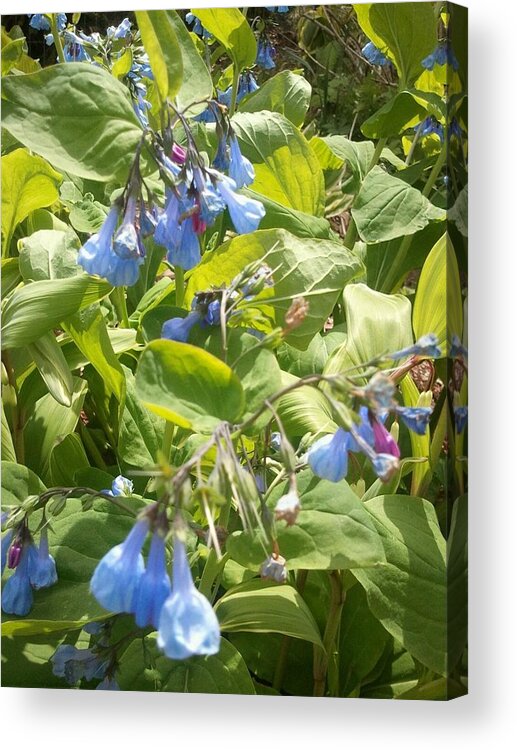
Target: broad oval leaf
x=387, y=207
x=230, y=27
x=53, y=368
x=188, y=386
x=265, y=607
x=49, y=254
x=77, y=116
x=333, y=531
x=394, y=117
x=197, y=81
x=18, y=482
x=287, y=93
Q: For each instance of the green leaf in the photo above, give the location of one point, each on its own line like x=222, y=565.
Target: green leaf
x=10, y=275
x=333, y=531
x=315, y=269
x=231, y=28
x=457, y=579
x=387, y=207
x=28, y=183
x=77, y=116
x=11, y=54
x=67, y=458
x=304, y=410
x=376, y=323
x=161, y=44
x=405, y=32
x=397, y=115
x=286, y=168
x=141, y=431
x=8, y=452
x=47, y=425
x=265, y=607
x=299, y=223
x=49, y=254
x=287, y=93
x=18, y=482
x=53, y=368
x=357, y=156
x=87, y=215
x=188, y=386
x=197, y=81
x=224, y=672
x=438, y=301
x=35, y=308
x=408, y=592
x=88, y=330
x=314, y=358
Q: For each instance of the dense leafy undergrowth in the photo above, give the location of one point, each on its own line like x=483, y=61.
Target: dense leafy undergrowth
x=234, y=354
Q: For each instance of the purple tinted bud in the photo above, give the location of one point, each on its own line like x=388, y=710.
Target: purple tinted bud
x=14, y=554
x=384, y=441
x=17, y=591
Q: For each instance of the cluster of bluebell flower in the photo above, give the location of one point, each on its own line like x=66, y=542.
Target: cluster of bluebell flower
x=98, y=662
x=34, y=568
x=40, y=21
x=265, y=53
x=328, y=456
x=278, y=8
x=443, y=54
x=122, y=582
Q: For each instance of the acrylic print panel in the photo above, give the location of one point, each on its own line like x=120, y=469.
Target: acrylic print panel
x=234, y=425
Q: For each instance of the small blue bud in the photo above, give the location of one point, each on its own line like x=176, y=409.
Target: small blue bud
x=213, y=313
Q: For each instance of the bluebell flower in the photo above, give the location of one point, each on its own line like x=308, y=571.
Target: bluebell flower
x=128, y=251
x=455, y=130
x=185, y=253
x=430, y=126
x=95, y=255
x=425, y=346
x=17, y=591
x=221, y=160
x=460, y=418
x=364, y=429
x=73, y=49
x=278, y=8
x=141, y=107
x=121, y=31
x=273, y=569
x=42, y=566
x=241, y=169
x=178, y=329
x=441, y=55
x=245, y=213
x=457, y=349
x=118, y=574
x=154, y=586
x=167, y=225
x=384, y=442
x=213, y=313
x=374, y=55
x=108, y=683
x=380, y=390
x=225, y=97
x=6, y=543
x=75, y=663
x=121, y=486
x=41, y=23
x=197, y=26
x=188, y=624
x=207, y=115
x=275, y=441
x=385, y=465
x=210, y=201
x=328, y=456
x=265, y=55
x=416, y=418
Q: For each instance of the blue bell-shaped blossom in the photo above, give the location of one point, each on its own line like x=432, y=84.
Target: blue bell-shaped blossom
x=265, y=55
x=42, y=566
x=328, y=456
x=364, y=430
x=75, y=663
x=178, y=329
x=108, y=683
x=197, y=26
x=120, y=486
x=167, y=226
x=385, y=465
x=95, y=255
x=245, y=213
x=154, y=586
x=213, y=313
x=416, y=418
x=121, y=31
x=187, y=253
x=442, y=55
x=128, y=251
x=374, y=55
x=425, y=346
x=188, y=624
x=278, y=8
x=221, y=159
x=247, y=85
x=210, y=201
x=241, y=169
x=17, y=591
x=118, y=574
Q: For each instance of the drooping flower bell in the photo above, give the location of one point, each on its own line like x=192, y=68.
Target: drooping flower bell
x=278, y=8
x=430, y=126
x=442, y=55
x=75, y=663
x=197, y=26
x=178, y=329
x=154, y=585
x=188, y=625
x=241, y=169
x=42, y=566
x=17, y=591
x=95, y=255
x=373, y=54
x=121, y=486
x=273, y=569
x=385, y=465
x=245, y=213
x=122, y=31
x=380, y=391
x=265, y=55
x=328, y=456
x=425, y=346
x=416, y=418
x=41, y=23
x=117, y=575
x=128, y=250
x=460, y=418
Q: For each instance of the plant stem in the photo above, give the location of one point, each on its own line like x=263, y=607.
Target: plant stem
x=168, y=434
x=119, y=300
x=322, y=657
x=180, y=285
x=235, y=89
x=57, y=38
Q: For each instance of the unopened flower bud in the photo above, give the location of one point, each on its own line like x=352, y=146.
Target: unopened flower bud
x=273, y=568
x=14, y=554
x=380, y=391
x=288, y=507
